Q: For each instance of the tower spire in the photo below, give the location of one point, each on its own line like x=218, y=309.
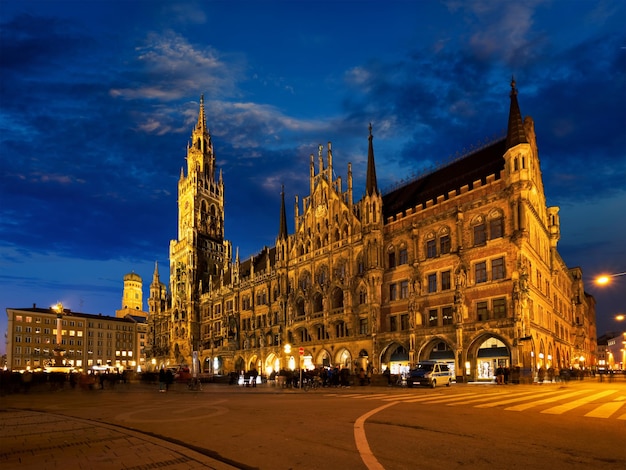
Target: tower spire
x=515, y=132
x=201, y=125
x=371, y=187
x=282, y=230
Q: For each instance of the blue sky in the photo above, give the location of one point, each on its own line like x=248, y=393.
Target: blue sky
x=98, y=99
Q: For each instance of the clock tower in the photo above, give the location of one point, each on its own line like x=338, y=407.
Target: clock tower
x=199, y=255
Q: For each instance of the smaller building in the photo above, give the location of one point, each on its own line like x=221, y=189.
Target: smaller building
x=612, y=351
x=89, y=341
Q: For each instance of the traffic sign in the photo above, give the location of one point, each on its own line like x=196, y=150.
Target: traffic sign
x=301, y=351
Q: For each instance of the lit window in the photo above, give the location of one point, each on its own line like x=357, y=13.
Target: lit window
x=432, y=317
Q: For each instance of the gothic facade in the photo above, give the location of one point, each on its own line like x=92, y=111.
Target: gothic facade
x=459, y=265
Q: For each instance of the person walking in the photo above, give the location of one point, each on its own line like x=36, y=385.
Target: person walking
x=387, y=375
x=253, y=375
x=161, y=380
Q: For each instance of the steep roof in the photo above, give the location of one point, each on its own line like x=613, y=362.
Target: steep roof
x=489, y=160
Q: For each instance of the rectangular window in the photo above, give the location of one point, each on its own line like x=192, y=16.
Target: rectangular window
x=363, y=326
x=497, y=269
x=499, y=308
x=431, y=249
x=480, y=235
x=404, y=321
x=392, y=259
x=432, y=317
x=404, y=289
x=393, y=323
x=496, y=228
x=444, y=244
x=446, y=316
x=480, y=272
x=404, y=256
x=393, y=292
x=481, y=311
x=445, y=280
x=432, y=283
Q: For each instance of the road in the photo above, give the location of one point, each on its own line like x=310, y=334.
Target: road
x=579, y=425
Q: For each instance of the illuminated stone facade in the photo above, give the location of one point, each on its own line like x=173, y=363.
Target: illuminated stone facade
x=459, y=265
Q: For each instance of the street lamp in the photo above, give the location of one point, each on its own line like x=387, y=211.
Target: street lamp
x=606, y=278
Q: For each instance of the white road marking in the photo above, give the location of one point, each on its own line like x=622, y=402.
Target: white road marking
x=361, y=439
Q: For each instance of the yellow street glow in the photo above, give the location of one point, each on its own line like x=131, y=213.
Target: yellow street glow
x=602, y=280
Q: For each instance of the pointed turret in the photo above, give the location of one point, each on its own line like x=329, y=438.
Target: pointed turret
x=371, y=187
x=282, y=229
x=155, y=275
x=201, y=125
x=515, y=132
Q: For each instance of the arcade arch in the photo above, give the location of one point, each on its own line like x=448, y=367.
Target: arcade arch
x=484, y=355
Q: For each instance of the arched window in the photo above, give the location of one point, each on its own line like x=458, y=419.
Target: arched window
x=337, y=299
x=318, y=304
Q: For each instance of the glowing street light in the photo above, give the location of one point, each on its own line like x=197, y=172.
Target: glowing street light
x=606, y=278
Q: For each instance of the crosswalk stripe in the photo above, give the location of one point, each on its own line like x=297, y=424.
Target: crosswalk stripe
x=488, y=398
x=605, y=410
x=492, y=399
x=557, y=410
x=402, y=397
x=525, y=406
x=429, y=399
x=513, y=400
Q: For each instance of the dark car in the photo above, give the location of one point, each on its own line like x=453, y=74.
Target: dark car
x=431, y=373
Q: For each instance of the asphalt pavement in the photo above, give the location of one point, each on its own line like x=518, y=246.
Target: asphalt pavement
x=34, y=436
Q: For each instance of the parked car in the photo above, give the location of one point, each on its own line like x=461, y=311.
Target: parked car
x=431, y=373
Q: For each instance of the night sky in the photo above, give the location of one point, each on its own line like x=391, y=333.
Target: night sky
x=98, y=100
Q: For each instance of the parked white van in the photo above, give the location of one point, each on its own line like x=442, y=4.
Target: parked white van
x=431, y=373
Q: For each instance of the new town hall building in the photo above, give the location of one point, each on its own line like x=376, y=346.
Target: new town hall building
x=459, y=265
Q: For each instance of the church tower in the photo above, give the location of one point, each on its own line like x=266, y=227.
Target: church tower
x=200, y=254
x=372, y=229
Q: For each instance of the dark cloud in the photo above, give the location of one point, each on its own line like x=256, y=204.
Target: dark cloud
x=95, y=114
